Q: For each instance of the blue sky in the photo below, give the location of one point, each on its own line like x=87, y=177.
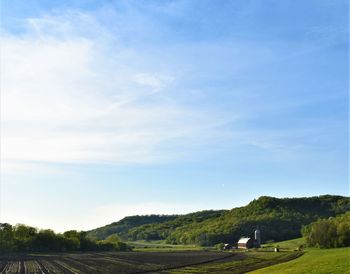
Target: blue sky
x=116, y=108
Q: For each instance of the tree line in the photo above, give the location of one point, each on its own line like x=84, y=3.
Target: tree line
x=328, y=233
x=22, y=238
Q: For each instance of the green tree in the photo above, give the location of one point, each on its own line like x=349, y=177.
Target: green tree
x=7, y=243
x=327, y=233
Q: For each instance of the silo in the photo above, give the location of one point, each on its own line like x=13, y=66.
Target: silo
x=257, y=235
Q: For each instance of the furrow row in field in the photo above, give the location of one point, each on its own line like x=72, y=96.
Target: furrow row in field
x=5, y=267
x=42, y=267
x=64, y=268
x=184, y=265
x=83, y=266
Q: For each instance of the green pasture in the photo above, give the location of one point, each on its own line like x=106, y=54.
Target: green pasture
x=145, y=246
x=335, y=260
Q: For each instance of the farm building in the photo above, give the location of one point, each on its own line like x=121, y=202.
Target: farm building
x=246, y=243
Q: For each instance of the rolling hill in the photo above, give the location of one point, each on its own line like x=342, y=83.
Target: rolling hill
x=278, y=219
x=122, y=227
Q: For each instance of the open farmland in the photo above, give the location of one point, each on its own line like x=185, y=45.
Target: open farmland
x=107, y=262
x=144, y=262
x=242, y=262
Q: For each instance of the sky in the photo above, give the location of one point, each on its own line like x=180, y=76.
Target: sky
x=118, y=108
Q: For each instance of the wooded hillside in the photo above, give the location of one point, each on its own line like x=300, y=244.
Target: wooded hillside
x=278, y=219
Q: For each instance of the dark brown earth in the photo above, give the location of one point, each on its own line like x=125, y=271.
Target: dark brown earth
x=108, y=262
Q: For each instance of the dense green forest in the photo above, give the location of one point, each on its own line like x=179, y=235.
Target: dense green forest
x=278, y=219
x=22, y=238
x=328, y=233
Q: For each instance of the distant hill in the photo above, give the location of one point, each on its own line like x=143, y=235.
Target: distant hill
x=124, y=225
x=278, y=219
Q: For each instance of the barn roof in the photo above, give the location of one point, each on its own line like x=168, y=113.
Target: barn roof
x=243, y=240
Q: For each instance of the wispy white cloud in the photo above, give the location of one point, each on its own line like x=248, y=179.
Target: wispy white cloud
x=74, y=91
x=65, y=100
x=156, y=82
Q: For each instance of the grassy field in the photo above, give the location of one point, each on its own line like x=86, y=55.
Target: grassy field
x=287, y=245
x=161, y=246
x=335, y=260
